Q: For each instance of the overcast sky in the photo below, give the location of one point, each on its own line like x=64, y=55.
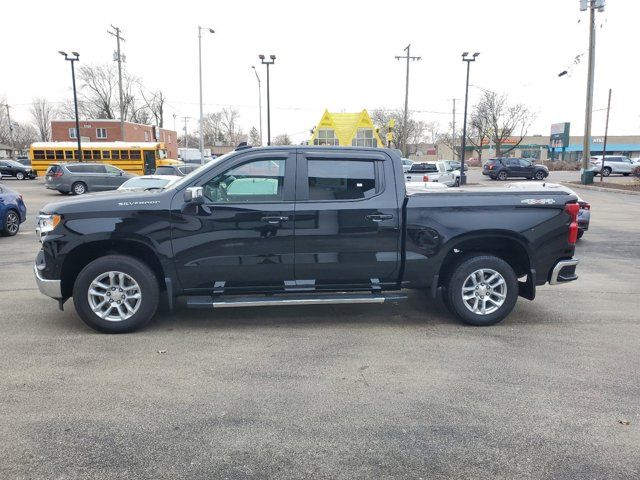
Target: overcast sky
x=335, y=54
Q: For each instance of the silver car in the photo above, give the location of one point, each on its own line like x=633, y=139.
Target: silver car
x=614, y=164
x=83, y=177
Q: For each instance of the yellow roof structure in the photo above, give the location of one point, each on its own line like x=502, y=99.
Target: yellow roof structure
x=345, y=126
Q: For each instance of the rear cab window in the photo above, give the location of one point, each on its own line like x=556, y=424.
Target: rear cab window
x=342, y=179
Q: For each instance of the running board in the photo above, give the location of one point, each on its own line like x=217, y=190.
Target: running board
x=292, y=299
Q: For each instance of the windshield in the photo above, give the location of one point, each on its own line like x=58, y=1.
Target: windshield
x=189, y=177
x=146, y=182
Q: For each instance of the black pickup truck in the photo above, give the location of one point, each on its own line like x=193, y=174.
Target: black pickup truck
x=303, y=225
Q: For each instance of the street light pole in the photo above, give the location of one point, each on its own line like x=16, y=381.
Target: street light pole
x=75, y=58
x=465, y=58
x=259, y=100
x=267, y=63
x=408, y=57
x=200, y=72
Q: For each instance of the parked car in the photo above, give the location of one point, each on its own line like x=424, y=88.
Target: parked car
x=584, y=217
x=82, y=177
x=455, y=164
x=177, y=170
x=13, y=211
x=406, y=164
x=292, y=225
x=504, y=168
x=11, y=168
x=439, y=172
x=614, y=164
x=148, y=182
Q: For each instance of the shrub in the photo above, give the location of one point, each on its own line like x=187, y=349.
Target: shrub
x=560, y=165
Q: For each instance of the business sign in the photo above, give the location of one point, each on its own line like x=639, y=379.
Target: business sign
x=559, y=137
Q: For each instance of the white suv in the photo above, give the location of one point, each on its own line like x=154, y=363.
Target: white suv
x=614, y=164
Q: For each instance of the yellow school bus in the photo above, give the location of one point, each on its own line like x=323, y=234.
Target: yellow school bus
x=140, y=158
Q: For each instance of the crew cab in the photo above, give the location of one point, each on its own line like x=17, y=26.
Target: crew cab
x=294, y=225
x=440, y=172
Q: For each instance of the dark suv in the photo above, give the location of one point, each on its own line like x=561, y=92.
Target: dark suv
x=504, y=168
x=11, y=168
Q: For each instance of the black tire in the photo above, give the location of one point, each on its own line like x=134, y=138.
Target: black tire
x=606, y=171
x=503, y=175
x=79, y=188
x=580, y=233
x=625, y=174
x=20, y=175
x=141, y=273
x=10, y=224
x=540, y=175
x=462, y=271
x=456, y=183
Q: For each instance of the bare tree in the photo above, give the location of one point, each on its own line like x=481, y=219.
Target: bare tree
x=403, y=135
x=502, y=120
x=154, y=102
x=230, y=130
x=24, y=135
x=254, y=137
x=212, y=128
x=283, y=139
x=42, y=112
x=478, y=134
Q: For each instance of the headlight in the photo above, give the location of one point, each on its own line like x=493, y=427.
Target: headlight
x=46, y=223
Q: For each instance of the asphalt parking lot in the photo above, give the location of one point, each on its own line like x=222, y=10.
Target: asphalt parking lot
x=347, y=392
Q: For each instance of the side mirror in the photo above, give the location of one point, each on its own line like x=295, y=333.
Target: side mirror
x=194, y=195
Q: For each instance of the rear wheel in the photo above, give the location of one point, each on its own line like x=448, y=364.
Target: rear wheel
x=481, y=290
x=502, y=175
x=606, y=171
x=626, y=174
x=11, y=224
x=79, y=188
x=20, y=176
x=116, y=294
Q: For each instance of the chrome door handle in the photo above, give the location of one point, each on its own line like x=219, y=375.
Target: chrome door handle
x=379, y=217
x=274, y=220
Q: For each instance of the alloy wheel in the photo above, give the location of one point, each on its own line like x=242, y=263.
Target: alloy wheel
x=484, y=291
x=114, y=296
x=13, y=223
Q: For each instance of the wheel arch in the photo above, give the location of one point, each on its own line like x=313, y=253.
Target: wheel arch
x=78, y=258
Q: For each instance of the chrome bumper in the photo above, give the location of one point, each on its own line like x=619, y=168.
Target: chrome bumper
x=557, y=275
x=50, y=288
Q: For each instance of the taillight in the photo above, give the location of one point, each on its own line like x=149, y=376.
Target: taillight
x=57, y=173
x=572, y=209
x=425, y=178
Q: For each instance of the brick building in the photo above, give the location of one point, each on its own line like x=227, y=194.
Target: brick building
x=104, y=130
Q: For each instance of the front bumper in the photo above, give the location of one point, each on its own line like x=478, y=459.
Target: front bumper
x=564, y=271
x=50, y=288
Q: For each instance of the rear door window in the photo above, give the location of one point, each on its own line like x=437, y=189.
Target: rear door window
x=341, y=179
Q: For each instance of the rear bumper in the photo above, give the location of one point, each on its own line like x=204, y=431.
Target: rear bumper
x=564, y=271
x=50, y=288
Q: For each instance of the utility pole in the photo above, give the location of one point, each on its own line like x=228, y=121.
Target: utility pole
x=606, y=133
x=186, y=140
x=119, y=58
x=174, y=126
x=408, y=57
x=200, y=72
x=13, y=147
x=591, y=5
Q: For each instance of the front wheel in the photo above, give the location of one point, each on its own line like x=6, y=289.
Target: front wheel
x=20, y=176
x=116, y=294
x=482, y=290
x=540, y=175
x=606, y=171
x=456, y=183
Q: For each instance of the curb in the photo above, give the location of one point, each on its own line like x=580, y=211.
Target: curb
x=600, y=189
